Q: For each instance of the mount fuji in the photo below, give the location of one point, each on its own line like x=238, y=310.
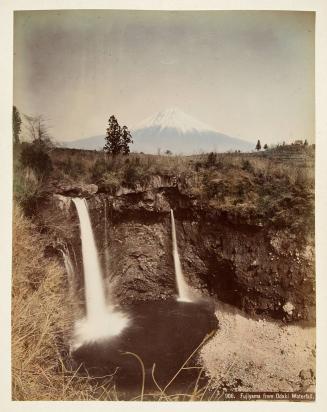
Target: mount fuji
x=173, y=130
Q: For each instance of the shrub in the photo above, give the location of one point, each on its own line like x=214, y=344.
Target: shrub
x=27, y=190
x=133, y=174
x=246, y=165
x=74, y=168
x=35, y=156
x=110, y=182
x=107, y=163
x=214, y=188
x=211, y=159
x=98, y=169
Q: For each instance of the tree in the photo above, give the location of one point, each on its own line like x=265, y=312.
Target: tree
x=113, y=137
x=265, y=146
x=16, y=124
x=305, y=142
x=35, y=153
x=38, y=130
x=212, y=159
x=117, y=138
x=168, y=152
x=126, y=138
x=258, y=146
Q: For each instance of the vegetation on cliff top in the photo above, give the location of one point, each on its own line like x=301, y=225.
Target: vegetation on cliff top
x=264, y=186
x=270, y=186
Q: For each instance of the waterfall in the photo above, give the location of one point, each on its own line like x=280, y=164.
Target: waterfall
x=182, y=287
x=106, y=242
x=68, y=265
x=94, y=291
x=101, y=320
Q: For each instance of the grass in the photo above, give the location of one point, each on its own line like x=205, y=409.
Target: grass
x=135, y=168
x=196, y=394
x=91, y=165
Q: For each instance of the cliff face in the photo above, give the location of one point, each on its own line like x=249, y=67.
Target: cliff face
x=236, y=257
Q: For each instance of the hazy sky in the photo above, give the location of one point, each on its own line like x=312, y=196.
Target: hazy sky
x=248, y=74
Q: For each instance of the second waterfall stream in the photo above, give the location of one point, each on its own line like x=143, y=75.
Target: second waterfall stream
x=182, y=287
x=101, y=320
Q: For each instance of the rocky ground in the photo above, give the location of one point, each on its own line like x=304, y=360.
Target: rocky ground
x=249, y=354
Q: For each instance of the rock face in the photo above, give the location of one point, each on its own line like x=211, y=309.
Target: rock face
x=259, y=268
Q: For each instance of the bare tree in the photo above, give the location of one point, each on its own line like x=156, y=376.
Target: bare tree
x=38, y=129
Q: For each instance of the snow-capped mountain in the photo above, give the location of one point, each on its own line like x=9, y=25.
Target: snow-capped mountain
x=174, y=119
x=173, y=130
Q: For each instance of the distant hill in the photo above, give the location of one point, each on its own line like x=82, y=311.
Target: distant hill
x=89, y=143
x=172, y=130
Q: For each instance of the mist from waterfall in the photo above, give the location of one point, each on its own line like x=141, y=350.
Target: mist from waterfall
x=101, y=320
x=182, y=287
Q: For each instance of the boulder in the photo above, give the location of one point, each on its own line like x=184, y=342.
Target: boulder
x=306, y=374
x=78, y=190
x=288, y=308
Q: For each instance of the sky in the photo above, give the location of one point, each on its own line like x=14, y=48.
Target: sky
x=248, y=74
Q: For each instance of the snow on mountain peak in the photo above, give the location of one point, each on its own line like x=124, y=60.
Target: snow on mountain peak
x=174, y=118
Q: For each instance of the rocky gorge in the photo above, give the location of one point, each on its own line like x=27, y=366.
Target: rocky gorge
x=238, y=258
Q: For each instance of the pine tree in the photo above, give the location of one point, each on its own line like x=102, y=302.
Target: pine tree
x=16, y=124
x=113, y=140
x=258, y=146
x=265, y=146
x=117, y=138
x=126, y=139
